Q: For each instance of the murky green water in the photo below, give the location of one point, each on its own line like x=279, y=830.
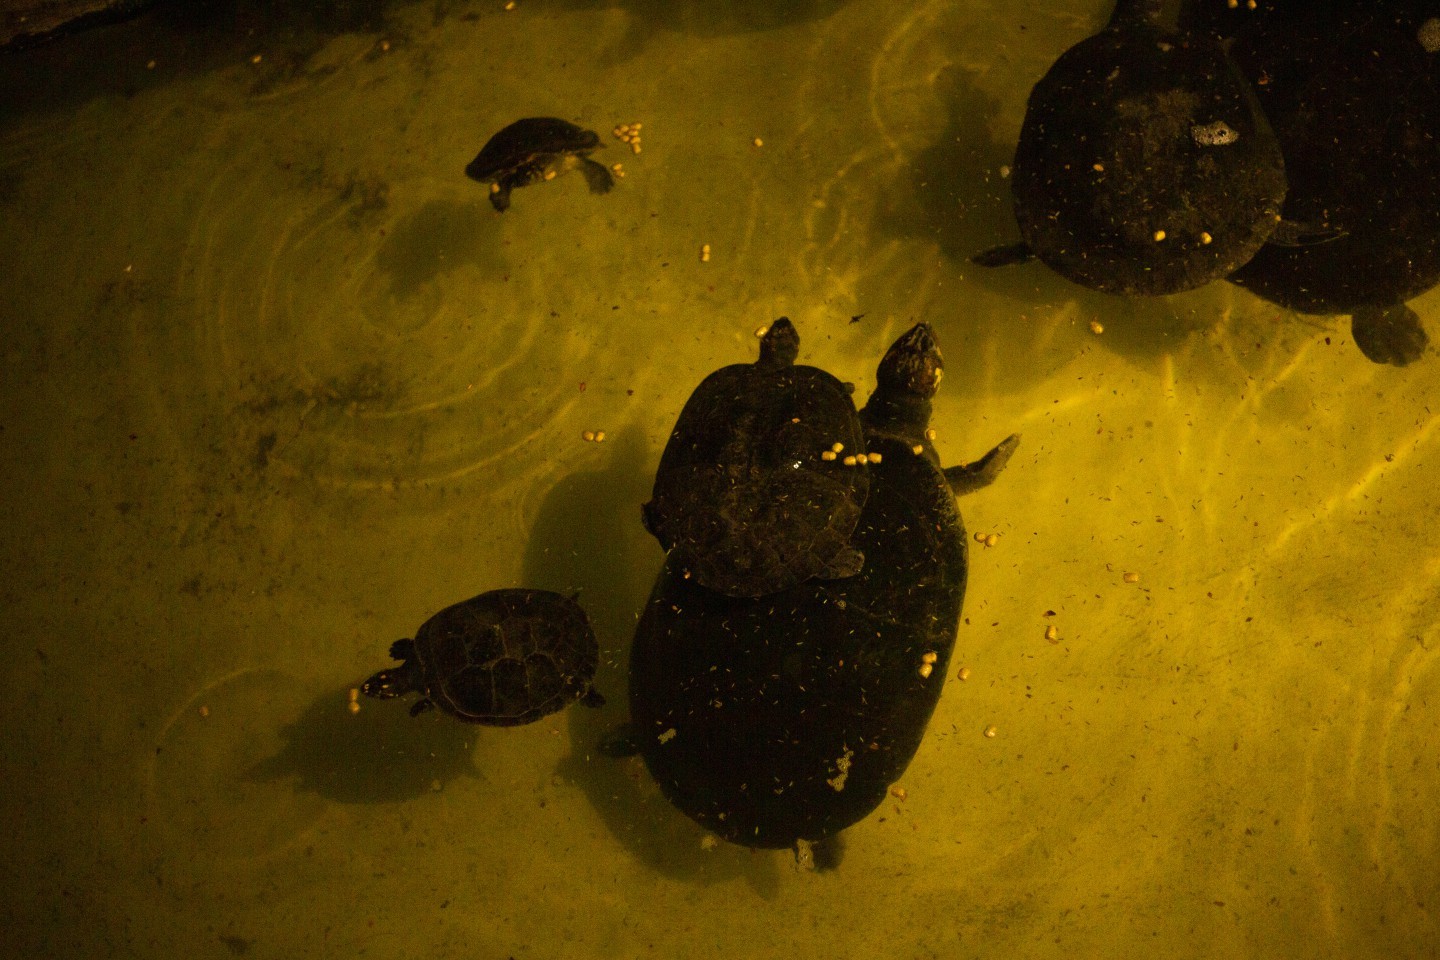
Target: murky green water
x=278, y=384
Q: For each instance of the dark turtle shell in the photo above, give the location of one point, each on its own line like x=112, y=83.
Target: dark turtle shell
x=528, y=149
x=786, y=718
x=1145, y=165
x=1353, y=92
x=745, y=500
x=503, y=658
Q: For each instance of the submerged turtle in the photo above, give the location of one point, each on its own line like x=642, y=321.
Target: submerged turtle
x=503, y=658
x=1145, y=165
x=764, y=476
x=537, y=148
x=779, y=721
x=1353, y=92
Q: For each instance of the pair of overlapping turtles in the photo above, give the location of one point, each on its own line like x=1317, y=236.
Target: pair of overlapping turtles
x=1302, y=163
x=797, y=638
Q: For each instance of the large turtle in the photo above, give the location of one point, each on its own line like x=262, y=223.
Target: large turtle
x=537, y=148
x=503, y=658
x=779, y=721
x=1145, y=165
x=764, y=475
x=1353, y=92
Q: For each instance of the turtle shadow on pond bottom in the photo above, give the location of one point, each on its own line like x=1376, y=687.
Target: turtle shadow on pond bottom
x=376, y=755
x=587, y=537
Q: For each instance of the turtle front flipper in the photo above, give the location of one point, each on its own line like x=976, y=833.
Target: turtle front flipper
x=500, y=194
x=969, y=477
x=597, y=175
x=1004, y=256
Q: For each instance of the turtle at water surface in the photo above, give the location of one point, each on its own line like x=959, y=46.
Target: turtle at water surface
x=1145, y=165
x=763, y=478
x=504, y=658
x=1353, y=92
x=779, y=721
x=537, y=148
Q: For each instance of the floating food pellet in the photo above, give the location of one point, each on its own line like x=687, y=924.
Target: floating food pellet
x=898, y=792
x=704, y=253
x=549, y=174
x=1052, y=632
x=618, y=169
x=255, y=59
x=827, y=455
x=758, y=142
x=929, y=656
x=204, y=710
x=930, y=433
x=1131, y=577
x=494, y=188
x=634, y=146
x=992, y=539
x=1096, y=327
x=964, y=674
x=587, y=435
x=917, y=449
x=1205, y=237
x=926, y=669
x=761, y=331
x=837, y=446
x=510, y=5
x=849, y=461
x=599, y=436
x=1159, y=235
x=354, y=694
x=1004, y=171
x=990, y=731
x=353, y=706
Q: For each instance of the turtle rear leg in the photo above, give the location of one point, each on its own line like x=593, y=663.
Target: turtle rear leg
x=969, y=477
x=597, y=175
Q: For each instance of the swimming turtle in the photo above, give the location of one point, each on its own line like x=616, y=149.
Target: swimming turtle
x=504, y=658
x=1145, y=165
x=779, y=721
x=537, y=148
x=764, y=475
x=1353, y=92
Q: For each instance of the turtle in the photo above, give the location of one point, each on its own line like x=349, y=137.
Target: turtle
x=778, y=721
x=1353, y=92
x=763, y=477
x=504, y=658
x=537, y=148
x=1145, y=165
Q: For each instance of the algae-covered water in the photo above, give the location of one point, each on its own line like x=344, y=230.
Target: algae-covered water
x=278, y=384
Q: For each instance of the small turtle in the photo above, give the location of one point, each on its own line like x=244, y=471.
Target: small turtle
x=764, y=475
x=537, y=148
x=1353, y=92
x=503, y=658
x=786, y=718
x=1145, y=165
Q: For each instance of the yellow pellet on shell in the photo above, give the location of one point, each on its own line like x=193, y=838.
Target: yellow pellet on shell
x=874, y=458
x=762, y=330
x=926, y=669
x=1096, y=327
x=930, y=433
x=1159, y=235
x=837, y=446
x=929, y=656
x=827, y=455
x=849, y=461
x=1205, y=237
x=917, y=449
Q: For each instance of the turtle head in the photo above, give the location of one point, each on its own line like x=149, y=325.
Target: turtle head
x=779, y=346
x=907, y=378
x=912, y=366
x=397, y=681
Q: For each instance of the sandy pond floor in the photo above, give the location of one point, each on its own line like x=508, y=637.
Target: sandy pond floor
x=278, y=384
